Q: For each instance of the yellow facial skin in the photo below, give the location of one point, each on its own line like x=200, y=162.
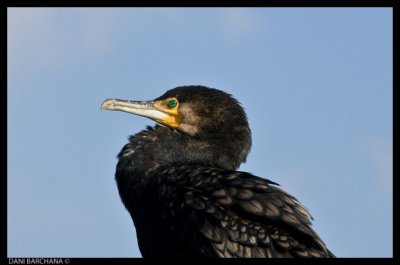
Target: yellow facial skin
x=173, y=118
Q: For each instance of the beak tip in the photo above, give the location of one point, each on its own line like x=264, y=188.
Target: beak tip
x=107, y=104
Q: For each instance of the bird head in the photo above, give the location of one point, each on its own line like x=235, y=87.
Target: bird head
x=194, y=110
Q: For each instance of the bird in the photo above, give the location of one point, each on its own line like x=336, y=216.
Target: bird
x=180, y=183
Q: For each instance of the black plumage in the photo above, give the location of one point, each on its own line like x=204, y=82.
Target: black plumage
x=180, y=185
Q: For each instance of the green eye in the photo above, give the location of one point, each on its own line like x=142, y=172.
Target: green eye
x=172, y=103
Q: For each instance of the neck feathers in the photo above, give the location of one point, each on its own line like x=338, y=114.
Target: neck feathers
x=160, y=146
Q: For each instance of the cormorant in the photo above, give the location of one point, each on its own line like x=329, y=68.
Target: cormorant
x=180, y=185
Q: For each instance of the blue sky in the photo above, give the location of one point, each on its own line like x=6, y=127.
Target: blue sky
x=316, y=84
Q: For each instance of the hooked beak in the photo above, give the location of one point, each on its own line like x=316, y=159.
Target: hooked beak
x=142, y=108
x=150, y=109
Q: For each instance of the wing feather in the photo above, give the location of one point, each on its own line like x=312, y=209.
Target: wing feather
x=240, y=214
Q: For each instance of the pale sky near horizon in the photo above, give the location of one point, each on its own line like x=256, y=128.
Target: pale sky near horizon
x=316, y=84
